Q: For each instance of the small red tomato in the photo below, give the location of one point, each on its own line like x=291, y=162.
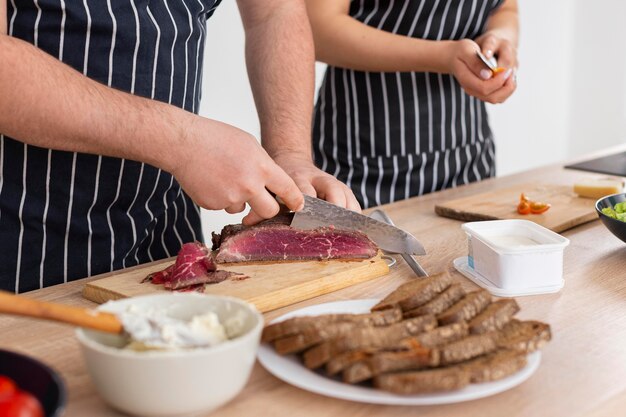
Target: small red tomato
x=22, y=404
x=523, y=207
x=537, y=207
x=7, y=387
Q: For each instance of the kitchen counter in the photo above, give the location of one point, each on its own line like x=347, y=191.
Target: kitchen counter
x=582, y=371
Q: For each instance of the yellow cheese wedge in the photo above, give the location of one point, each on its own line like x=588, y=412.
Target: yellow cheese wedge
x=598, y=188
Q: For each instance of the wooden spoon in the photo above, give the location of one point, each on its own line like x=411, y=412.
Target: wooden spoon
x=82, y=317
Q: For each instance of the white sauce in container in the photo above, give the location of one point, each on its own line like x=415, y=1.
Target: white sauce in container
x=513, y=241
x=154, y=329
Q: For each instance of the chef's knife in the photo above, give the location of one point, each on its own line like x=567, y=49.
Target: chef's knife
x=319, y=213
x=379, y=214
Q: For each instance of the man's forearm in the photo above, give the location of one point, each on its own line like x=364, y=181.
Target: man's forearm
x=3, y=17
x=46, y=103
x=280, y=60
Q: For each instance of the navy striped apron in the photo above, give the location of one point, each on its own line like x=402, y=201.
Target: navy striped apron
x=391, y=136
x=65, y=215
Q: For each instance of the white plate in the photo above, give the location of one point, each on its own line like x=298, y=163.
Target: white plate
x=290, y=369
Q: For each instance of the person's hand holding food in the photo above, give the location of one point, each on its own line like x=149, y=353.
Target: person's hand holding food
x=475, y=77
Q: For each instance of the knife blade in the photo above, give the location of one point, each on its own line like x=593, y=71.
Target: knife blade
x=320, y=213
x=379, y=214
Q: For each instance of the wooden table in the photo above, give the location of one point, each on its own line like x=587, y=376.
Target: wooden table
x=583, y=370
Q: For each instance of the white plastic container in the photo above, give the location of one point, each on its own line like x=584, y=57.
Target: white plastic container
x=513, y=257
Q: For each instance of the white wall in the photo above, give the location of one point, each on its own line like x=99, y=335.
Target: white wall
x=571, y=95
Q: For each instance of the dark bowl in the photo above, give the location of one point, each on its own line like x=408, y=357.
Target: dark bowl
x=618, y=228
x=36, y=378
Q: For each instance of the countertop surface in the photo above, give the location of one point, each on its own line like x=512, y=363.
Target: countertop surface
x=582, y=372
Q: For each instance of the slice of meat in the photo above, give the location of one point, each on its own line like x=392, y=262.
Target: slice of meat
x=275, y=240
x=417, y=382
x=468, y=307
x=160, y=277
x=367, y=338
x=524, y=336
x=494, y=317
x=193, y=268
x=416, y=292
x=467, y=348
x=495, y=365
x=417, y=358
x=440, y=303
x=206, y=277
x=306, y=324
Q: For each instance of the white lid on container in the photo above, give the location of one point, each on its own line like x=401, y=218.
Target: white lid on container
x=489, y=231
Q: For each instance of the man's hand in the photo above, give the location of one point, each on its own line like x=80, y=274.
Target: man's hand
x=223, y=167
x=475, y=78
x=317, y=183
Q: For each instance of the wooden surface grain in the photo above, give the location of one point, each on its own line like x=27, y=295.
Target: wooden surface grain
x=583, y=369
x=266, y=286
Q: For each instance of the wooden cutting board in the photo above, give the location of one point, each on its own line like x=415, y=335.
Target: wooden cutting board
x=268, y=286
x=568, y=210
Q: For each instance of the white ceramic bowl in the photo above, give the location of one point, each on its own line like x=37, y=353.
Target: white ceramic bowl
x=173, y=383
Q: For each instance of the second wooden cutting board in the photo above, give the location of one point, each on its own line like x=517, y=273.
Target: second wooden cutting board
x=567, y=211
x=268, y=286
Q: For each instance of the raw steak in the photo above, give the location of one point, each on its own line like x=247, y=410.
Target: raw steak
x=194, y=267
x=275, y=240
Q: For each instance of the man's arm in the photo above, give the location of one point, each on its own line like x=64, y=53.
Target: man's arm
x=3, y=17
x=280, y=60
x=46, y=103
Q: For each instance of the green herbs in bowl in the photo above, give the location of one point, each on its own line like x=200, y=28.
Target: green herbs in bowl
x=612, y=211
x=617, y=212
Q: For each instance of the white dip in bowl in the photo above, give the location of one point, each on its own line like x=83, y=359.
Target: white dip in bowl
x=174, y=380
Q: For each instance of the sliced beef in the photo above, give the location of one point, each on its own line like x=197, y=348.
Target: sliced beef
x=160, y=277
x=206, y=277
x=275, y=240
x=193, y=268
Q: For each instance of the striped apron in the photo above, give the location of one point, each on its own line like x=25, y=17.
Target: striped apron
x=391, y=136
x=65, y=215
